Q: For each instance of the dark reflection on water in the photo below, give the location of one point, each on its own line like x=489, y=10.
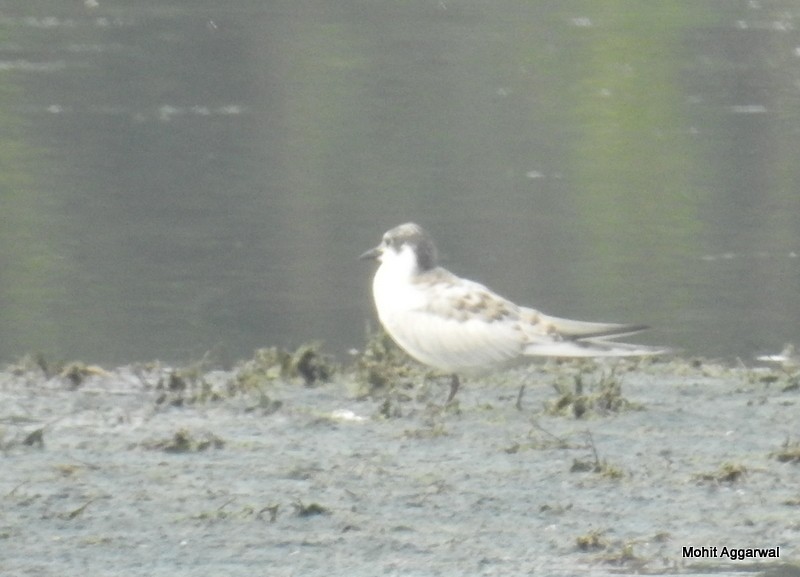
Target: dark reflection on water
x=184, y=175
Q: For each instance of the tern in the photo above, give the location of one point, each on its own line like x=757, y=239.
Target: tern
x=461, y=327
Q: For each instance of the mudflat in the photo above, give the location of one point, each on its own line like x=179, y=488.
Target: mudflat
x=285, y=465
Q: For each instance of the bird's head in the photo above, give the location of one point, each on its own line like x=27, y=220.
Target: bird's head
x=407, y=243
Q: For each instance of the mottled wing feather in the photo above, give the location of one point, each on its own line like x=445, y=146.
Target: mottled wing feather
x=461, y=325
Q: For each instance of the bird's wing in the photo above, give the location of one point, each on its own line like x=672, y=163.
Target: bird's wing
x=459, y=325
x=558, y=337
x=576, y=330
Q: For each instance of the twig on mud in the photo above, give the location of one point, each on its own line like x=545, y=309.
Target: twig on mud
x=561, y=442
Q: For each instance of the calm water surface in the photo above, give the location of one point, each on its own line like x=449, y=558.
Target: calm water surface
x=185, y=175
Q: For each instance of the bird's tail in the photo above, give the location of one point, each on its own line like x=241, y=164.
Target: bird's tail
x=592, y=348
x=571, y=329
x=558, y=337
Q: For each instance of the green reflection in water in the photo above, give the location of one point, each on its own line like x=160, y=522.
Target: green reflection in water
x=634, y=152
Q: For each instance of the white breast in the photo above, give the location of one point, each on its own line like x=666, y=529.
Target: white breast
x=394, y=293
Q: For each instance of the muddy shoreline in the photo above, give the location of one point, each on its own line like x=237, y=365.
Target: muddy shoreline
x=290, y=465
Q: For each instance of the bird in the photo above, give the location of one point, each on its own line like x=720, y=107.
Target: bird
x=462, y=327
x=787, y=358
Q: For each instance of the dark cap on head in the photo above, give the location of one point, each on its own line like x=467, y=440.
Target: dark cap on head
x=410, y=234
x=415, y=236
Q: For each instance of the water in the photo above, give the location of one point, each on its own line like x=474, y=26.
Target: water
x=184, y=176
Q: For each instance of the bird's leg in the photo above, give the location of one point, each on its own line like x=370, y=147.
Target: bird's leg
x=519, y=397
x=454, y=384
x=521, y=392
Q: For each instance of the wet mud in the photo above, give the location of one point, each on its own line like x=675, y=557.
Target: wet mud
x=289, y=464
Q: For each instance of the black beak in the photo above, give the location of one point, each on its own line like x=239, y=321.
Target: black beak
x=371, y=254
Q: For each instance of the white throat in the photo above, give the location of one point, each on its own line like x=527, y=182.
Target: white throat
x=392, y=286
x=399, y=265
